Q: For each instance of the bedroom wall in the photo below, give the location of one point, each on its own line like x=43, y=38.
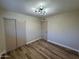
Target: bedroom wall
x=2, y=37
x=63, y=29
x=32, y=26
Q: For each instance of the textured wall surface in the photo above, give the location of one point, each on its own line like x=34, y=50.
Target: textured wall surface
x=32, y=27
x=64, y=29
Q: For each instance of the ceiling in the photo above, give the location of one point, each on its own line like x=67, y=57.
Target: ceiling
x=26, y=6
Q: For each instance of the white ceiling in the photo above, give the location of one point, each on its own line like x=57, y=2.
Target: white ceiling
x=53, y=6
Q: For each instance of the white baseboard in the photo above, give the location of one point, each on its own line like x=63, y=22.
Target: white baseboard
x=33, y=40
x=63, y=46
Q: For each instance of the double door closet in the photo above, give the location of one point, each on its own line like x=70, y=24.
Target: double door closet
x=15, y=33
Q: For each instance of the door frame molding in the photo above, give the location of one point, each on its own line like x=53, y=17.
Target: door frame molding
x=4, y=18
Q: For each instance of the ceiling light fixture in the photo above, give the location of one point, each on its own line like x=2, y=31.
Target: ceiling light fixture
x=41, y=10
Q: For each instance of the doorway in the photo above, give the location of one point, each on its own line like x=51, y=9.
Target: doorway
x=10, y=33
x=44, y=29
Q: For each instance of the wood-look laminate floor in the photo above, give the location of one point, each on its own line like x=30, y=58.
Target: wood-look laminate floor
x=40, y=50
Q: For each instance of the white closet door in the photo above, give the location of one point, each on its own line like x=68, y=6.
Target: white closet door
x=44, y=30
x=21, y=33
x=10, y=33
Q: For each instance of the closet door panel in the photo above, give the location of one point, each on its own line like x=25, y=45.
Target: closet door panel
x=44, y=30
x=21, y=33
x=10, y=34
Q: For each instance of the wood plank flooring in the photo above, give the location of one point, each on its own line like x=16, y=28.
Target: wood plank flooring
x=40, y=50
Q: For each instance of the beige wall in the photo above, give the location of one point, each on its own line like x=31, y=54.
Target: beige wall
x=33, y=26
x=64, y=29
x=2, y=37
